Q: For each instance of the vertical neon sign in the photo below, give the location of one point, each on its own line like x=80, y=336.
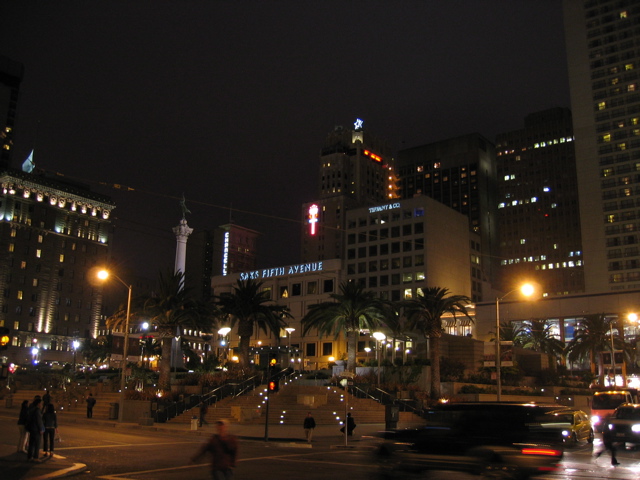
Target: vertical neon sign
x=313, y=218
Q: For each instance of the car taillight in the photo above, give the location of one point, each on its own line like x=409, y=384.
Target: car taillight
x=550, y=452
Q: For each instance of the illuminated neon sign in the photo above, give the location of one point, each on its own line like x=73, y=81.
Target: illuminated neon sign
x=279, y=271
x=357, y=125
x=225, y=254
x=382, y=208
x=313, y=218
x=372, y=156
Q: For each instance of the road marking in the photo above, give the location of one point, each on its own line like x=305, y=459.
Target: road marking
x=85, y=447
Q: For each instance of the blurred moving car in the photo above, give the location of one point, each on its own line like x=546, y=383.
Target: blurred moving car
x=512, y=441
x=572, y=425
x=624, y=424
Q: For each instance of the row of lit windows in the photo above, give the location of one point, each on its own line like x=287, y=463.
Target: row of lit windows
x=620, y=217
x=542, y=144
x=624, y=277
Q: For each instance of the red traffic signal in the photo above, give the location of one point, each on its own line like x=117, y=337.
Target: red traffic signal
x=273, y=386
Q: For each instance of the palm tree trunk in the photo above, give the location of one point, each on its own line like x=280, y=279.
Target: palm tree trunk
x=245, y=330
x=352, y=346
x=165, y=364
x=435, y=367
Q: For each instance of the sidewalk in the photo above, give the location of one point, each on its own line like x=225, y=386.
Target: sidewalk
x=14, y=466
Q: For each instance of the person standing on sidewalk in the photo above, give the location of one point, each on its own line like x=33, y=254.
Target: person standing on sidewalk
x=50, y=420
x=308, y=425
x=46, y=400
x=36, y=429
x=223, y=448
x=22, y=427
x=91, y=402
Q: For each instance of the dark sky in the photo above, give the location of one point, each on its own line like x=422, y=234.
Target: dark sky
x=230, y=101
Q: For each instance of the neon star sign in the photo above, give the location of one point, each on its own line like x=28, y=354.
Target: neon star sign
x=358, y=124
x=313, y=218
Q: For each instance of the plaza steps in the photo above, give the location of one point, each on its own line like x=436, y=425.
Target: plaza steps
x=67, y=406
x=285, y=407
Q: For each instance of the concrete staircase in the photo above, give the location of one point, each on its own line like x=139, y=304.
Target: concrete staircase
x=67, y=405
x=290, y=405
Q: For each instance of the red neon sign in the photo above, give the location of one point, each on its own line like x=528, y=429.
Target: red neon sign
x=373, y=156
x=313, y=218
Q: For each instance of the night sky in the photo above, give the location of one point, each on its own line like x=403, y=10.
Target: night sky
x=230, y=101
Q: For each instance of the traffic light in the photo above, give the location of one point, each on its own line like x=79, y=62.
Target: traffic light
x=273, y=386
x=273, y=359
x=5, y=338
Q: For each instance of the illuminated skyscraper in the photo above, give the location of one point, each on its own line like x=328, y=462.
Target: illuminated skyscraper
x=603, y=55
x=354, y=172
x=539, y=216
x=460, y=173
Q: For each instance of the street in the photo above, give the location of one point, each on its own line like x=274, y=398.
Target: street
x=113, y=453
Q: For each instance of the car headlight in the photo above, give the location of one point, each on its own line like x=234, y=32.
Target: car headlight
x=566, y=433
x=635, y=428
x=595, y=419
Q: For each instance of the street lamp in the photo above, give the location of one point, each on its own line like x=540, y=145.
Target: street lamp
x=527, y=290
x=75, y=344
x=379, y=336
x=223, y=332
x=289, y=331
x=103, y=275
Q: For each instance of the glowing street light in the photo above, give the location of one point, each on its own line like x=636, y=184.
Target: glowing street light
x=104, y=275
x=527, y=290
x=380, y=337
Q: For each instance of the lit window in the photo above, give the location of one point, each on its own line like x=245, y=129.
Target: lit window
x=61, y=257
x=38, y=253
x=523, y=241
x=623, y=14
x=40, y=239
x=408, y=294
x=601, y=106
x=621, y=146
x=12, y=247
x=13, y=232
x=631, y=87
x=23, y=265
x=628, y=66
x=606, y=137
x=19, y=294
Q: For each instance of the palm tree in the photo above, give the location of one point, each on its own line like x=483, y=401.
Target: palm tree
x=536, y=334
x=591, y=337
x=351, y=310
x=424, y=314
x=510, y=332
x=170, y=310
x=247, y=307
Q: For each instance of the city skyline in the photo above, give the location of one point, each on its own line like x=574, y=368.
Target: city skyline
x=229, y=103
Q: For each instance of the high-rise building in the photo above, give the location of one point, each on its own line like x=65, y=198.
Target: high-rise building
x=539, y=217
x=52, y=234
x=460, y=173
x=354, y=172
x=228, y=249
x=603, y=55
x=11, y=74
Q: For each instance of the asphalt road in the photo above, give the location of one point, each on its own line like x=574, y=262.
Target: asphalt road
x=128, y=454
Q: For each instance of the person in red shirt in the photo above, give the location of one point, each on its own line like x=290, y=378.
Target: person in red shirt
x=223, y=449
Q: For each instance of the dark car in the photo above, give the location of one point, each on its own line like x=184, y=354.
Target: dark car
x=624, y=424
x=509, y=440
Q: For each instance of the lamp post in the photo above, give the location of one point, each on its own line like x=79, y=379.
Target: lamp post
x=75, y=344
x=223, y=332
x=526, y=290
x=103, y=275
x=379, y=336
x=289, y=330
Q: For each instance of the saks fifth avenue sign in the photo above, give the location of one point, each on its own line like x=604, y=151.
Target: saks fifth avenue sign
x=279, y=271
x=382, y=208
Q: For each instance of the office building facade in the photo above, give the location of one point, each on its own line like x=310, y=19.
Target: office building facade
x=539, y=216
x=604, y=66
x=461, y=174
x=53, y=237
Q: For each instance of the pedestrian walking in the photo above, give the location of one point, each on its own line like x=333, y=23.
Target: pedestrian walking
x=223, y=449
x=608, y=444
x=36, y=429
x=22, y=427
x=308, y=425
x=91, y=402
x=50, y=421
x=351, y=425
x=203, y=413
